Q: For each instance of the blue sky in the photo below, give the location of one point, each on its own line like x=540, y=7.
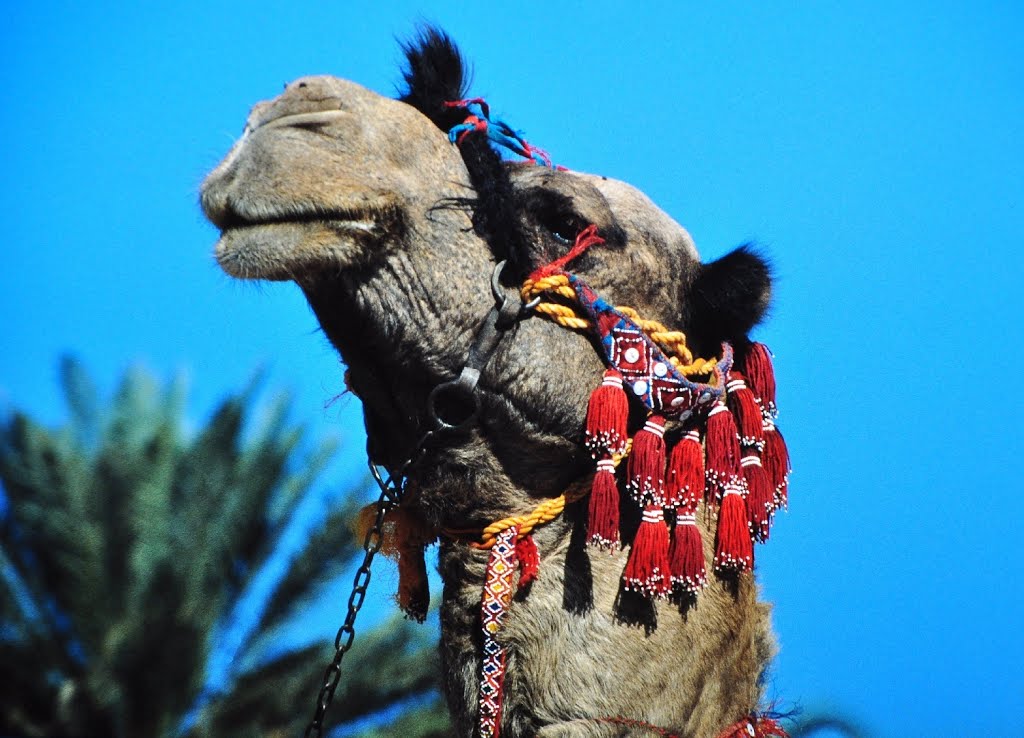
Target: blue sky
x=873, y=149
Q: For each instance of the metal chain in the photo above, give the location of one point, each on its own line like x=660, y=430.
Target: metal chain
x=461, y=390
x=343, y=640
x=391, y=490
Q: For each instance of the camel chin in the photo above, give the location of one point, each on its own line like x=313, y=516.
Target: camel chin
x=302, y=250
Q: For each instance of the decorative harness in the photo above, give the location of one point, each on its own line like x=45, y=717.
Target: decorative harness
x=709, y=436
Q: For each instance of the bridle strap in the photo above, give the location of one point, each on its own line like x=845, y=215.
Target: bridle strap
x=454, y=405
x=506, y=312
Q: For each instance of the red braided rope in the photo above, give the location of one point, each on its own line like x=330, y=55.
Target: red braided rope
x=587, y=237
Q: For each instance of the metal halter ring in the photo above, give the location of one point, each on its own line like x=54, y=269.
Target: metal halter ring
x=501, y=296
x=461, y=390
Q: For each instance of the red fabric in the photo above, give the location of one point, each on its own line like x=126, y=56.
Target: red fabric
x=529, y=560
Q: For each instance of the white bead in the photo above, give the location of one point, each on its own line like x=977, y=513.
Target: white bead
x=660, y=370
x=639, y=387
x=631, y=355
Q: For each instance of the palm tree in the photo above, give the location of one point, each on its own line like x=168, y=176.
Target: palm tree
x=125, y=547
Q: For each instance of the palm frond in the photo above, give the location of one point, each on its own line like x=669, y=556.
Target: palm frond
x=125, y=547
x=395, y=660
x=324, y=558
x=430, y=720
x=274, y=697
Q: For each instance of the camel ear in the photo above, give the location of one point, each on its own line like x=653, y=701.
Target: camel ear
x=729, y=297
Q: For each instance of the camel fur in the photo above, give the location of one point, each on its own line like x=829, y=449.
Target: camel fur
x=364, y=203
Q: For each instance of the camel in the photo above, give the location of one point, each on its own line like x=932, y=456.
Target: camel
x=392, y=231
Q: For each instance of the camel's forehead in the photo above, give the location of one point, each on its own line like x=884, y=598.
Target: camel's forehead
x=637, y=214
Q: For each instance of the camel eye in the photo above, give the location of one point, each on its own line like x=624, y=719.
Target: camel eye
x=553, y=212
x=560, y=236
x=563, y=227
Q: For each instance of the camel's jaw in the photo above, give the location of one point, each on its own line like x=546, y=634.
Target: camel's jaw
x=301, y=247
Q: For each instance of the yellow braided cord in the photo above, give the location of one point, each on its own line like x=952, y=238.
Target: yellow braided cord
x=546, y=511
x=672, y=342
x=564, y=315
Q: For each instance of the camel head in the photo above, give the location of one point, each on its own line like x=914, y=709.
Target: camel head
x=392, y=232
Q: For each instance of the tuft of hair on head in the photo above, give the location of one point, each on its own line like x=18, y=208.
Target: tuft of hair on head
x=729, y=297
x=435, y=73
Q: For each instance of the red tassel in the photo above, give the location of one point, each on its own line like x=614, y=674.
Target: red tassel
x=746, y=411
x=647, y=570
x=722, y=448
x=529, y=560
x=776, y=463
x=760, y=498
x=646, y=468
x=755, y=726
x=757, y=365
x=685, y=479
x=603, y=513
x=607, y=413
x=413, y=587
x=734, y=549
x=686, y=555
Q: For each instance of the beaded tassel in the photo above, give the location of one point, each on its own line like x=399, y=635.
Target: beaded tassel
x=734, y=548
x=722, y=448
x=760, y=498
x=684, y=482
x=646, y=468
x=746, y=411
x=603, y=509
x=686, y=555
x=757, y=365
x=647, y=569
x=776, y=462
x=607, y=413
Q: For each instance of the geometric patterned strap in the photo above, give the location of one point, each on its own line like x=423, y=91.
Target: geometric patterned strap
x=646, y=371
x=501, y=567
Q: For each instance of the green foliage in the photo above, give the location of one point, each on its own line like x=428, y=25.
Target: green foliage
x=126, y=544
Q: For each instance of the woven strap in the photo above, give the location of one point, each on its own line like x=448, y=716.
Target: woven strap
x=498, y=592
